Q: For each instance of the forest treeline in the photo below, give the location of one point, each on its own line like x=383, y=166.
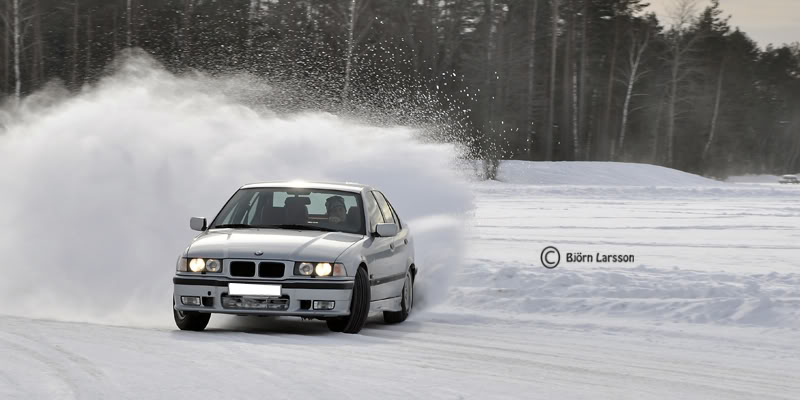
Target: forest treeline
x=526, y=79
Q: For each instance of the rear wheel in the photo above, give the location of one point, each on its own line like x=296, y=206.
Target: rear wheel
x=407, y=302
x=359, y=307
x=190, y=321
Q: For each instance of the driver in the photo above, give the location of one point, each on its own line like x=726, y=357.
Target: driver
x=336, y=210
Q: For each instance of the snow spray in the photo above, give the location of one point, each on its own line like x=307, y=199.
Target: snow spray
x=97, y=188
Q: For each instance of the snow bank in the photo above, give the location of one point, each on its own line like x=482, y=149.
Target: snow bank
x=654, y=294
x=596, y=173
x=724, y=254
x=754, y=179
x=98, y=188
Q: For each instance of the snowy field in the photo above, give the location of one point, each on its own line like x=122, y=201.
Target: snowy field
x=708, y=310
x=98, y=188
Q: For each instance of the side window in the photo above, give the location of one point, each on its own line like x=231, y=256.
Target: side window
x=396, y=218
x=375, y=216
x=386, y=210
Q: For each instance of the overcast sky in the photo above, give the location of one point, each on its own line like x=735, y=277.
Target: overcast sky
x=766, y=21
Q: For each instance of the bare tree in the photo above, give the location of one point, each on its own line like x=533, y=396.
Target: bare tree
x=656, y=127
x=576, y=145
x=715, y=116
x=490, y=158
x=350, y=44
x=75, y=45
x=17, y=20
x=573, y=77
x=570, y=146
x=411, y=40
x=89, y=44
x=6, y=52
x=185, y=36
x=631, y=75
x=37, y=73
x=13, y=20
x=793, y=161
x=534, y=8
x=565, y=125
x=17, y=33
x=453, y=19
x=354, y=37
x=590, y=123
x=129, y=23
x=680, y=45
x=252, y=15
x=548, y=137
x=580, y=108
x=606, y=120
x=115, y=28
x=430, y=45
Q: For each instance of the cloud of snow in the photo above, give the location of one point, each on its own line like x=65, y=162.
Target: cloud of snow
x=98, y=188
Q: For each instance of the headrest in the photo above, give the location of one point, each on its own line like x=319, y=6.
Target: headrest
x=353, y=216
x=294, y=201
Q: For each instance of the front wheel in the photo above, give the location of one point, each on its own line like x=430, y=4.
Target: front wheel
x=359, y=307
x=190, y=321
x=394, y=317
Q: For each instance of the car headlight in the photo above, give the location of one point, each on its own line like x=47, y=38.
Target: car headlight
x=197, y=265
x=323, y=269
x=213, y=265
x=205, y=265
x=319, y=269
x=305, y=269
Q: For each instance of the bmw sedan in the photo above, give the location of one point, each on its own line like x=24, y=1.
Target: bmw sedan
x=329, y=251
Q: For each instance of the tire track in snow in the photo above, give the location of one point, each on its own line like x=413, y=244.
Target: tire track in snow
x=55, y=380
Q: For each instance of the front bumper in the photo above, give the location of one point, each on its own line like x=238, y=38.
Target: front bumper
x=300, y=294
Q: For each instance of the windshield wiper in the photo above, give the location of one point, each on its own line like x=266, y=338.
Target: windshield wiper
x=303, y=227
x=234, y=226
x=282, y=226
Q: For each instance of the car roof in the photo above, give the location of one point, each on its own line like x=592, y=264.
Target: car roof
x=341, y=186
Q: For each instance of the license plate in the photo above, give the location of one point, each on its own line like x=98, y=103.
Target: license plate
x=247, y=289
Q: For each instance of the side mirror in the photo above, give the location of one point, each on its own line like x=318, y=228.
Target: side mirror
x=386, y=230
x=198, y=224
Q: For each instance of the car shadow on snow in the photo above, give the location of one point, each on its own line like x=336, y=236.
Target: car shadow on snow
x=287, y=327
x=268, y=325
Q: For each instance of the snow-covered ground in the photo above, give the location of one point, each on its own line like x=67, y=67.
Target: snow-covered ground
x=98, y=187
x=754, y=179
x=596, y=174
x=708, y=310
x=758, y=179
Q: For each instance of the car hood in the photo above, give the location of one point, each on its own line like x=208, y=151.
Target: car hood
x=275, y=244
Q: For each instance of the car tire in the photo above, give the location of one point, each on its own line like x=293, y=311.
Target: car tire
x=359, y=307
x=406, y=302
x=190, y=321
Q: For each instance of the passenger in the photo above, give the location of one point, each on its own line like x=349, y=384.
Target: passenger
x=336, y=210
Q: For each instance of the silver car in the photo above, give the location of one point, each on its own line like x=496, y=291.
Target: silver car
x=330, y=251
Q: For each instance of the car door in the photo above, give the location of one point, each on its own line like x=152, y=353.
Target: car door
x=402, y=246
x=398, y=247
x=378, y=252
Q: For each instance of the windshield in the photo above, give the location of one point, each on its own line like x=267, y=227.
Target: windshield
x=292, y=208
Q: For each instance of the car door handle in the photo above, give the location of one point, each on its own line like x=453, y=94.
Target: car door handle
x=391, y=246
